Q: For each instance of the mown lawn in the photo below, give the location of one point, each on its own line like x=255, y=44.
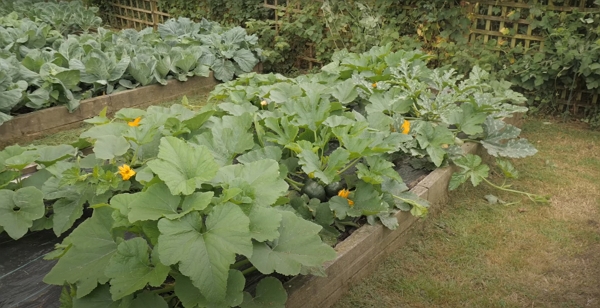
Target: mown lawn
x=474, y=254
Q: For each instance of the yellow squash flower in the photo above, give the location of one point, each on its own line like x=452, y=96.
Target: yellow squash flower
x=374, y=85
x=344, y=193
x=126, y=172
x=135, y=123
x=264, y=103
x=405, y=127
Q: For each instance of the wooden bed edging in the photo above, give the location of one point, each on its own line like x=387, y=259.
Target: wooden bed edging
x=26, y=127
x=361, y=252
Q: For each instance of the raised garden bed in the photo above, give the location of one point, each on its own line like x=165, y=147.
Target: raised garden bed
x=282, y=171
x=365, y=248
x=23, y=269
x=362, y=251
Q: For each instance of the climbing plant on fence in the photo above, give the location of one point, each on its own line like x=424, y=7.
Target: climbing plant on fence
x=547, y=48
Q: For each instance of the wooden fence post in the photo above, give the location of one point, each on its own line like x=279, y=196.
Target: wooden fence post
x=154, y=10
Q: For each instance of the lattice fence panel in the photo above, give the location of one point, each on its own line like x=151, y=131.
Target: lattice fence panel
x=284, y=10
x=137, y=14
x=492, y=20
x=495, y=20
x=578, y=102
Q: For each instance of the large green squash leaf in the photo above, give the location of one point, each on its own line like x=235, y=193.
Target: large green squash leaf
x=18, y=210
x=147, y=300
x=130, y=268
x=66, y=211
x=228, y=137
x=283, y=133
x=367, y=201
x=205, y=252
x=152, y=204
x=48, y=155
x=270, y=152
x=379, y=169
x=471, y=168
x=190, y=296
x=258, y=180
x=270, y=293
x=345, y=92
x=182, y=166
x=311, y=163
x=264, y=223
x=158, y=202
x=107, y=147
x=282, y=92
x=501, y=139
x=298, y=245
x=309, y=112
x=85, y=262
x=468, y=119
x=432, y=140
x=100, y=298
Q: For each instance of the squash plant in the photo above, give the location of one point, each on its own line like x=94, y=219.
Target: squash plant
x=166, y=212
x=397, y=91
x=193, y=203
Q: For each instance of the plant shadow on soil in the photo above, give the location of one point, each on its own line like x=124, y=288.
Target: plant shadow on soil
x=474, y=254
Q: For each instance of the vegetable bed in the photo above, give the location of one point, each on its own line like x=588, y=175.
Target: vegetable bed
x=194, y=204
x=360, y=253
x=43, y=63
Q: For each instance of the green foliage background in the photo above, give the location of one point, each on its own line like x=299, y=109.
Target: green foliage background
x=440, y=27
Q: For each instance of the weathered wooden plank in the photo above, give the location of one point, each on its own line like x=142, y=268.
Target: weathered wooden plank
x=516, y=36
x=502, y=19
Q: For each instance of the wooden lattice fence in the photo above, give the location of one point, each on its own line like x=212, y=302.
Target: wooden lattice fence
x=137, y=14
x=491, y=20
x=283, y=10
